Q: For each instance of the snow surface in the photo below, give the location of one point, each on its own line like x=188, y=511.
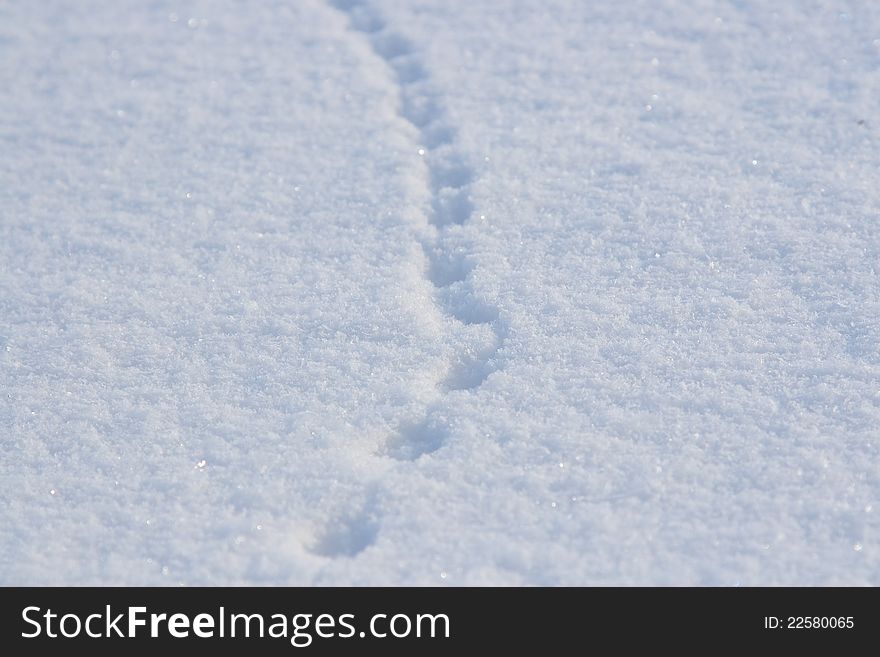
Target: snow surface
x=439, y=292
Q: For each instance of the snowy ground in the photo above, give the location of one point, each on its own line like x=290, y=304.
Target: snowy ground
x=440, y=292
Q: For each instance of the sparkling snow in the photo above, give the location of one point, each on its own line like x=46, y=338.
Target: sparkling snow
x=439, y=292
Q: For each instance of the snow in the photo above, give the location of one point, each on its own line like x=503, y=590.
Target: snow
x=419, y=292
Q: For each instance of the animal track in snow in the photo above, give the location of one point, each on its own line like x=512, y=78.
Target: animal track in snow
x=350, y=532
x=414, y=440
x=449, y=178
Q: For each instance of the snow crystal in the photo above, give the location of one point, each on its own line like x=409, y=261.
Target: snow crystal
x=369, y=292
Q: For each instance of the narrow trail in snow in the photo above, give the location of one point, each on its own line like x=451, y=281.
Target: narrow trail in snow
x=449, y=178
